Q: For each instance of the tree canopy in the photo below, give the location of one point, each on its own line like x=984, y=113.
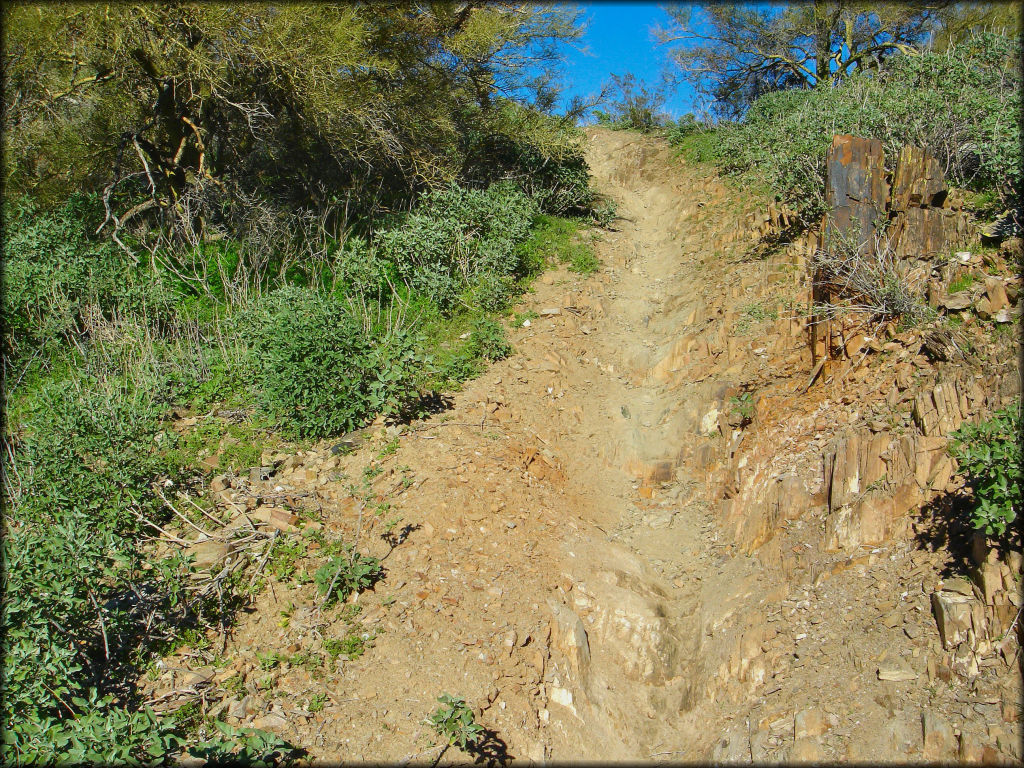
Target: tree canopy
x=735, y=53
x=296, y=102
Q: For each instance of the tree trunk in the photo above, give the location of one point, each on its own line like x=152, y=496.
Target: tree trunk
x=822, y=42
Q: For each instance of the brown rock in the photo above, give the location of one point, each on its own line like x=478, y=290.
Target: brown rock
x=208, y=553
x=938, y=736
x=270, y=722
x=952, y=616
x=896, y=671
x=983, y=307
x=809, y=722
x=241, y=709
x=1009, y=745
x=970, y=750
x=918, y=181
x=988, y=577
x=278, y=518
x=1012, y=248
x=1015, y=560
x=965, y=661
x=958, y=301
x=958, y=586
x=996, y=294
x=856, y=190
x=979, y=547
x=806, y=751
x=990, y=756
x=571, y=637
x=919, y=233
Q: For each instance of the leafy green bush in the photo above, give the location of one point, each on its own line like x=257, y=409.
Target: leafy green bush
x=584, y=262
x=455, y=723
x=459, y=239
x=636, y=106
x=962, y=105
x=101, y=734
x=359, y=271
x=74, y=592
x=320, y=369
x=542, y=154
x=55, y=272
x=243, y=746
x=696, y=140
x=990, y=456
x=342, y=575
x=487, y=340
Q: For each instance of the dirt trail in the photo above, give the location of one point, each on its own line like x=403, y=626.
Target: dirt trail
x=565, y=566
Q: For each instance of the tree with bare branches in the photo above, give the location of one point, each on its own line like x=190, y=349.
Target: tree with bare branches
x=292, y=102
x=733, y=53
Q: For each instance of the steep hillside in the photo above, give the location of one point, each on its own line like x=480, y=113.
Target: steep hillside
x=632, y=538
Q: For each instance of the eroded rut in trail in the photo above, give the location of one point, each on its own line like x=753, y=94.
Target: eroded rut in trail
x=565, y=561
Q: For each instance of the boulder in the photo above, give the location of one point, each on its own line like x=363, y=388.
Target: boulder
x=856, y=189
x=920, y=232
x=937, y=735
x=918, y=181
x=570, y=637
x=809, y=722
x=806, y=751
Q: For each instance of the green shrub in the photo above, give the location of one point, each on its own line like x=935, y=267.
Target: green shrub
x=584, y=262
x=454, y=722
x=359, y=271
x=753, y=314
x=962, y=283
x=990, y=456
x=695, y=140
x=75, y=595
x=344, y=574
x=459, y=239
x=550, y=238
x=683, y=127
x=55, y=272
x=962, y=105
x=243, y=746
x=488, y=340
x=320, y=369
x=542, y=154
x=102, y=733
x=634, y=105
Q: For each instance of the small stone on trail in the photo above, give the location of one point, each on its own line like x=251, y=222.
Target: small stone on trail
x=806, y=751
x=809, y=722
x=896, y=670
x=958, y=585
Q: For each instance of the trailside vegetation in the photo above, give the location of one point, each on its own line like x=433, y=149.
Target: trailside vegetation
x=963, y=105
x=309, y=215
x=733, y=54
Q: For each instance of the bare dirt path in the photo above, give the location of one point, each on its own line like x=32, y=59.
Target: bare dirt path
x=557, y=558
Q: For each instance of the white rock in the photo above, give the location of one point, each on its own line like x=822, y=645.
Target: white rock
x=564, y=698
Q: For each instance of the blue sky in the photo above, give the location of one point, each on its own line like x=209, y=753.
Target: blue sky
x=619, y=40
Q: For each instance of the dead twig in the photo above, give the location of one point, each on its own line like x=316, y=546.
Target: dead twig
x=167, y=536
x=188, y=522
x=103, y=626
x=266, y=556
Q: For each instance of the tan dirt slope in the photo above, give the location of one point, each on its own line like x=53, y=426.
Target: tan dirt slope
x=568, y=564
